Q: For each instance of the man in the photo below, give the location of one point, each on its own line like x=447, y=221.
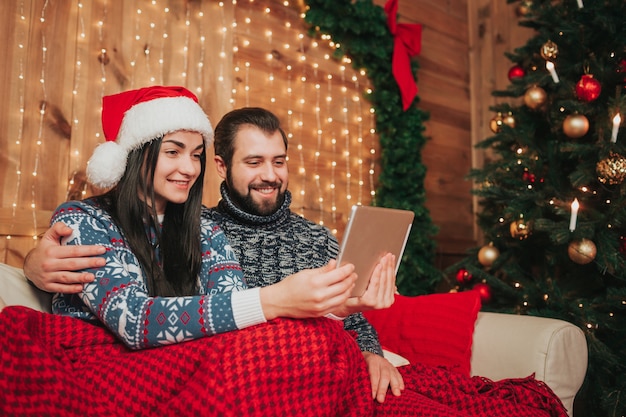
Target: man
x=270, y=241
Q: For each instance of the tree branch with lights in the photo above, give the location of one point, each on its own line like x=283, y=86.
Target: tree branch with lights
x=553, y=193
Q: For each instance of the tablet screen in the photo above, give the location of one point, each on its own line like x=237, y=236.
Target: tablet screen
x=370, y=234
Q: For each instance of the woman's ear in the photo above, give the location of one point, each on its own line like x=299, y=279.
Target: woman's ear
x=220, y=165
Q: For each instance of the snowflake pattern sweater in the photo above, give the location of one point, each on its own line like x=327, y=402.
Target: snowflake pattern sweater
x=119, y=297
x=270, y=248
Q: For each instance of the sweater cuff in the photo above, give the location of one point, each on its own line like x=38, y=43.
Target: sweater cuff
x=247, y=309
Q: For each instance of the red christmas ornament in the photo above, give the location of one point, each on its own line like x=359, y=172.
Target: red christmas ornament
x=484, y=291
x=515, y=72
x=463, y=276
x=588, y=88
x=528, y=177
x=622, y=245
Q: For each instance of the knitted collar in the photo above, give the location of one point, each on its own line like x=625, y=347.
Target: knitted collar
x=227, y=206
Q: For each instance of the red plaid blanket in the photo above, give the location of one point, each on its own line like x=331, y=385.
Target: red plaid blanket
x=437, y=392
x=59, y=366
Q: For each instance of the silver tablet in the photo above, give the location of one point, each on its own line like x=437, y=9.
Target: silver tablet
x=370, y=234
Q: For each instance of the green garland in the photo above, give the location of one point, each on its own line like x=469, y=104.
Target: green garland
x=362, y=32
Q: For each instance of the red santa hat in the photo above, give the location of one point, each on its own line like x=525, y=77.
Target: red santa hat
x=133, y=118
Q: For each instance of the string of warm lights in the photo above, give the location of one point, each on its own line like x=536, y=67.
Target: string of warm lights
x=164, y=39
x=186, y=45
x=290, y=121
x=269, y=46
x=333, y=142
x=359, y=139
x=323, y=173
x=75, y=161
x=373, y=141
x=21, y=25
x=318, y=145
x=222, y=53
x=148, y=49
x=42, y=115
x=346, y=129
x=302, y=103
x=103, y=60
x=134, y=53
x=201, y=57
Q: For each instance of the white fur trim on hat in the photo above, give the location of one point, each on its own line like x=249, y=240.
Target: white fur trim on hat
x=143, y=123
x=152, y=119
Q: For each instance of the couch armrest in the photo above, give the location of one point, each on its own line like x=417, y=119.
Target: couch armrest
x=16, y=290
x=514, y=346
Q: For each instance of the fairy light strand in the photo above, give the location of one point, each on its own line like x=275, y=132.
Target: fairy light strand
x=372, y=136
x=75, y=153
x=148, y=48
x=270, y=59
x=135, y=52
x=223, y=33
x=21, y=24
x=359, y=119
x=302, y=103
x=42, y=114
x=318, y=146
x=346, y=131
x=202, y=56
x=235, y=51
x=186, y=45
x=165, y=37
x=333, y=142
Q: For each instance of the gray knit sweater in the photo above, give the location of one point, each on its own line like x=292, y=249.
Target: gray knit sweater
x=273, y=247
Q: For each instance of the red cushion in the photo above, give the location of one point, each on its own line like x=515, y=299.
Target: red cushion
x=435, y=329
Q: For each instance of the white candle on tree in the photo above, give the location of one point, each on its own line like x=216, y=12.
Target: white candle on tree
x=616, y=122
x=574, y=215
x=550, y=67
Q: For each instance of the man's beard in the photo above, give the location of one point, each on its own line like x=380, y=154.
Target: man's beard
x=246, y=203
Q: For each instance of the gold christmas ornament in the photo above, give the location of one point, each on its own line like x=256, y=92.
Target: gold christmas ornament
x=582, y=251
x=488, y=254
x=496, y=123
x=611, y=170
x=549, y=50
x=535, y=97
x=523, y=8
x=576, y=125
x=520, y=229
x=509, y=120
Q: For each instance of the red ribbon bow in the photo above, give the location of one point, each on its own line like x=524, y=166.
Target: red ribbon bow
x=406, y=43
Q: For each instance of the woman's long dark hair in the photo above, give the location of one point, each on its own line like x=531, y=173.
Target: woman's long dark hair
x=176, y=273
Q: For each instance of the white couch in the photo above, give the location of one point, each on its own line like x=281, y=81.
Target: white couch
x=504, y=345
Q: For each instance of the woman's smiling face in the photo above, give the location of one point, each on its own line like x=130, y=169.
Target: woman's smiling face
x=178, y=167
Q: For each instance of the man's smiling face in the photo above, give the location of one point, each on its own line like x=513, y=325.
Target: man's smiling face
x=258, y=176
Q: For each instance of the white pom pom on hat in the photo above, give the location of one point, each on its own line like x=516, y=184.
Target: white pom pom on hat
x=107, y=165
x=132, y=118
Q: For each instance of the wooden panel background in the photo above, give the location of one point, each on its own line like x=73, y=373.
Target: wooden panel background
x=61, y=57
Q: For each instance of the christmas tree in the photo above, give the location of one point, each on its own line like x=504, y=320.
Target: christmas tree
x=552, y=189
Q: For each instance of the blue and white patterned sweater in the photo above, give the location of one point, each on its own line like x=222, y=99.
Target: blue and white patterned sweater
x=119, y=296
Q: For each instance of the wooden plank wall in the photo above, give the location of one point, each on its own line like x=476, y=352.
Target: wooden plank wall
x=61, y=57
x=461, y=63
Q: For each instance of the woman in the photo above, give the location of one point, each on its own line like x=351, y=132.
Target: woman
x=169, y=275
